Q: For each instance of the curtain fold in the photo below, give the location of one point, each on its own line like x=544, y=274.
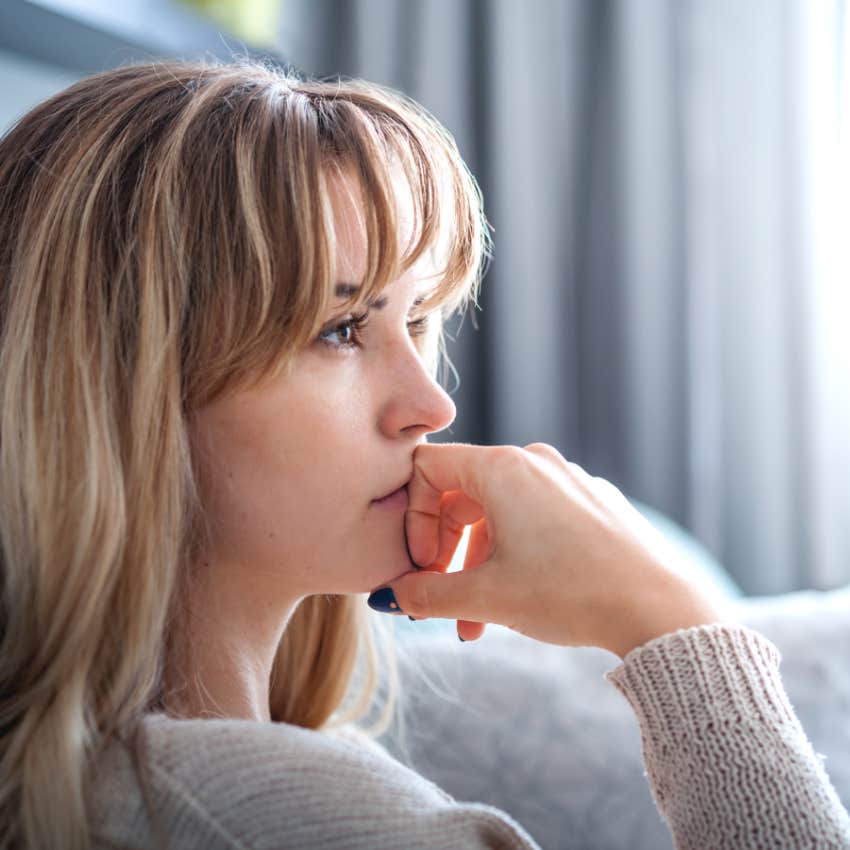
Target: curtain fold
x=665, y=299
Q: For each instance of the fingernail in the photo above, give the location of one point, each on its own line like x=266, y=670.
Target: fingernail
x=411, y=618
x=461, y=639
x=384, y=600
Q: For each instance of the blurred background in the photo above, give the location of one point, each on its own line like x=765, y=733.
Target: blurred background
x=668, y=184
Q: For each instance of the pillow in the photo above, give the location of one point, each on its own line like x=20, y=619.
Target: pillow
x=535, y=730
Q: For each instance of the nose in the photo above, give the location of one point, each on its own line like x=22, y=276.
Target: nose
x=414, y=401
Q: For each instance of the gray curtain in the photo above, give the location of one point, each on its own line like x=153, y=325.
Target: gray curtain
x=648, y=309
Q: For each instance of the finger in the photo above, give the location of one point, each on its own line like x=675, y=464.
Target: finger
x=477, y=551
x=478, y=548
x=437, y=468
x=457, y=511
x=470, y=630
x=425, y=593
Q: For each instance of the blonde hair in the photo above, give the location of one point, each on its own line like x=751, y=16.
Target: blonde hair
x=165, y=237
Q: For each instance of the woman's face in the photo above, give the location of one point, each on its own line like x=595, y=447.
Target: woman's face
x=291, y=471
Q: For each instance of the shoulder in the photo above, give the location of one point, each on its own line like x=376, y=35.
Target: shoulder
x=185, y=748
x=246, y=782
x=355, y=735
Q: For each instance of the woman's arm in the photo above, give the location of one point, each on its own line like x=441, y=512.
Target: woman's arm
x=727, y=760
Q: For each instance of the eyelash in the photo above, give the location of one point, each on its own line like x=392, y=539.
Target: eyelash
x=357, y=324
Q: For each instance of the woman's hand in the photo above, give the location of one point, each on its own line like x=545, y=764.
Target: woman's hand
x=554, y=553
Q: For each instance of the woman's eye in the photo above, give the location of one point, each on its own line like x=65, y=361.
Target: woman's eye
x=350, y=331
x=418, y=326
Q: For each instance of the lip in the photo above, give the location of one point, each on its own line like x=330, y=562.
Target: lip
x=402, y=485
x=395, y=500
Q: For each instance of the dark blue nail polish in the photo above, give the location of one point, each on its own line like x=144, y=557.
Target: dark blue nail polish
x=384, y=600
x=461, y=639
x=411, y=618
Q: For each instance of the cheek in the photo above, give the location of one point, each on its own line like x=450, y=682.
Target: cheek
x=289, y=483
x=306, y=520
x=287, y=493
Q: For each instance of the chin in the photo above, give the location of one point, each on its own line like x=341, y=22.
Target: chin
x=384, y=569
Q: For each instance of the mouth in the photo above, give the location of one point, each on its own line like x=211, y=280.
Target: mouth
x=396, y=499
x=396, y=491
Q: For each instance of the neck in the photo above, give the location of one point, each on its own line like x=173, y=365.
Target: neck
x=222, y=660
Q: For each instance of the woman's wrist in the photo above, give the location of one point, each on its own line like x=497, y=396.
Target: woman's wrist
x=662, y=608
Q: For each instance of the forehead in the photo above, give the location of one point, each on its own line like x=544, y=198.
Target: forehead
x=346, y=199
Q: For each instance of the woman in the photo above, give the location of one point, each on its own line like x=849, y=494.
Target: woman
x=222, y=297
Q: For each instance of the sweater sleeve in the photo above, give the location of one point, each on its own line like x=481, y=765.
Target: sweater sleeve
x=728, y=762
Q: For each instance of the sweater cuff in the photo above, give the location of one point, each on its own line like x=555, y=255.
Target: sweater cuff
x=689, y=679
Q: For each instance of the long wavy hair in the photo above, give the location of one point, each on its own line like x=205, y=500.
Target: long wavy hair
x=166, y=236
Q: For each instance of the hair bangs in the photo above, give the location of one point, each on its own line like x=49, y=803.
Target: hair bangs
x=399, y=154
x=384, y=151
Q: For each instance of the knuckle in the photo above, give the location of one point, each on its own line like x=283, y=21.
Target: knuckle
x=507, y=455
x=543, y=448
x=547, y=452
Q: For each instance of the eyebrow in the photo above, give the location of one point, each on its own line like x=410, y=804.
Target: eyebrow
x=346, y=290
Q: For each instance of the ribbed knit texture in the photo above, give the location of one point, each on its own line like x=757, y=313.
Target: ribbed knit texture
x=727, y=761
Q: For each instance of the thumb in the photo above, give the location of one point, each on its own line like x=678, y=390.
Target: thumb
x=459, y=595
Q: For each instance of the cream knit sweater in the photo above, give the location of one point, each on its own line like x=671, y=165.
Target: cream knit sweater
x=729, y=765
